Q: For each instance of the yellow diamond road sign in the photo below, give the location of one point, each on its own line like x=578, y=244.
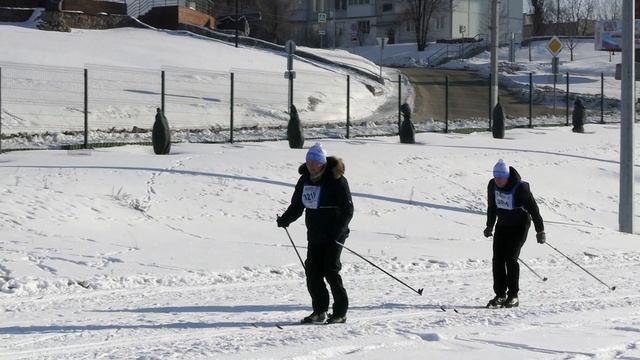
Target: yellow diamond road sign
x=554, y=46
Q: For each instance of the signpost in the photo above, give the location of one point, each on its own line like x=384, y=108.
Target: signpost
x=382, y=41
x=322, y=23
x=290, y=47
x=554, y=46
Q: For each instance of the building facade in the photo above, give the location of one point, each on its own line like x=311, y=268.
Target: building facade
x=345, y=23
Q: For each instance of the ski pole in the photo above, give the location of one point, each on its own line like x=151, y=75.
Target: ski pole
x=585, y=270
x=529, y=267
x=419, y=291
x=295, y=248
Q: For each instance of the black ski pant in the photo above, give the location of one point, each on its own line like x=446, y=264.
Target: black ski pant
x=507, y=242
x=323, y=262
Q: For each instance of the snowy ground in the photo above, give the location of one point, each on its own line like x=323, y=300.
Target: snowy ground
x=585, y=70
x=43, y=84
x=117, y=253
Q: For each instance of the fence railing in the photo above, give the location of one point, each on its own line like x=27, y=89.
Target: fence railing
x=101, y=104
x=53, y=107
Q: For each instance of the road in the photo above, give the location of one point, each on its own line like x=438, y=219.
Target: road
x=468, y=96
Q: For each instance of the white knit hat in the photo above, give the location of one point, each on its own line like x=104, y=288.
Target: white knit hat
x=317, y=153
x=500, y=170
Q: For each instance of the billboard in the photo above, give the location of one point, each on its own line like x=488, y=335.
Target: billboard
x=609, y=35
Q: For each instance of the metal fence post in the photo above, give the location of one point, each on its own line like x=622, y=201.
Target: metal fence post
x=490, y=110
x=530, y=100
x=601, y=98
x=86, y=109
x=446, y=104
x=567, y=98
x=0, y=110
x=399, y=102
x=348, y=104
x=162, y=92
x=231, y=111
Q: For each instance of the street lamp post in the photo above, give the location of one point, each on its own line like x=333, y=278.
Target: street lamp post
x=626, y=206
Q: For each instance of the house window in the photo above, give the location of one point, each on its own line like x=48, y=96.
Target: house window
x=363, y=27
x=410, y=26
x=440, y=21
x=387, y=7
x=341, y=4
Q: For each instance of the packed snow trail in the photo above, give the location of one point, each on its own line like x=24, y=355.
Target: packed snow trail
x=122, y=254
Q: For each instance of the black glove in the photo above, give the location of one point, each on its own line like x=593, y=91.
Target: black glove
x=281, y=223
x=541, y=237
x=488, y=232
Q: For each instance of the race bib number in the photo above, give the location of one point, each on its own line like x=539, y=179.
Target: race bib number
x=311, y=196
x=505, y=200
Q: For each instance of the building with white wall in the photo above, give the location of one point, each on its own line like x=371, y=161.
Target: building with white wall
x=343, y=23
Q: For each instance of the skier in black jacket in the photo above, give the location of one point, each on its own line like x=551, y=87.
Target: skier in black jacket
x=510, y=199
x=324, y=193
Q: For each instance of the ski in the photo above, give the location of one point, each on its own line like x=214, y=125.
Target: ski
x=281, y=326
x=454, y=309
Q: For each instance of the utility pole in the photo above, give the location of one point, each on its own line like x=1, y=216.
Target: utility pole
x=626, y=209
x=495, y=6
x=558, y=17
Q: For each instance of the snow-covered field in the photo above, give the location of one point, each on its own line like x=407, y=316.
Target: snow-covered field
x=43, y=83
x=117, y=253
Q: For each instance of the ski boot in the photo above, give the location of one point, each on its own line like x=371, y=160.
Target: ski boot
x=336, y=319
x=512, y=301
x=314, y=318
x=496, y=302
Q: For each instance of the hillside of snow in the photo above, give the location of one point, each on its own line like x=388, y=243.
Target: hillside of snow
x=43, y=84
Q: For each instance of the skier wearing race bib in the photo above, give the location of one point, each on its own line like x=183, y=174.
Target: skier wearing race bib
x=511, y=201
x=322, y=192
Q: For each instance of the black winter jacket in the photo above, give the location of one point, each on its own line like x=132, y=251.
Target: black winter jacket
x=328, y=222
x=524, y=201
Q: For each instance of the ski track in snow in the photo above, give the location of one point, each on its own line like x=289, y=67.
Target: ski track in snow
x=187, y=311
x=175, y=326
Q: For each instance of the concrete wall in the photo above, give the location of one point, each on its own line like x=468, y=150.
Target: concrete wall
x=87, y=21
x=162, y=17
x=473, y=15
x=13, y=15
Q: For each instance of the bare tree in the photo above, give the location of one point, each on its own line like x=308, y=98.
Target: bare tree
x=539, y=16
x=610, y=10
x=420, y=12
x=274, y=26
x=578, y=14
